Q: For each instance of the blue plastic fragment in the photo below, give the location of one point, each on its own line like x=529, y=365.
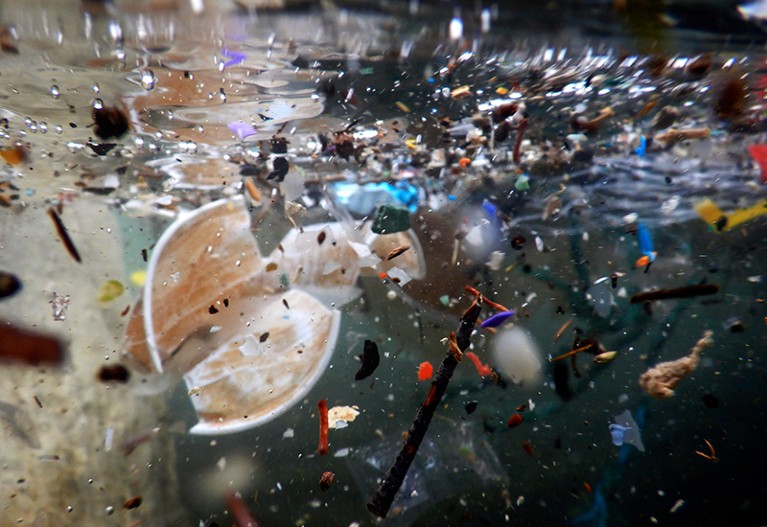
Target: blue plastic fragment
x=645, y=242
x=363, y=199
x=641, y=150
x=491, y=211
x=497, y=319
x=618, y=432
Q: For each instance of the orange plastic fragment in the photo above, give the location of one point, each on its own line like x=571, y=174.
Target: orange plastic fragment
x=253, y=191
x=644, y=260
x=464, y=162
x=15, y=155
x=425, y=371
x=482, y=369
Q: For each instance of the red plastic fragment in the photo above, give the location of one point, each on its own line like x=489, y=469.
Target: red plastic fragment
x=514, y=420
x=759, y=153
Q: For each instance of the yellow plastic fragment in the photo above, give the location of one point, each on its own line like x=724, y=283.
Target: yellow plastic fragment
x=402, y=106
x=138, y=278
x=110, y=290
x=708, y=211
x=604, y=358
x=722, y=221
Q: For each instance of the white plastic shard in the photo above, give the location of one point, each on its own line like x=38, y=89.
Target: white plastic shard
x=270, y=346
x=517, y=355
x=202, y=259
x=251, y=379
x=251, y=335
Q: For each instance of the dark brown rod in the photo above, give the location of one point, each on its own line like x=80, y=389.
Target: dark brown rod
x=383, y=497
x=61, y=230
x=688, y=291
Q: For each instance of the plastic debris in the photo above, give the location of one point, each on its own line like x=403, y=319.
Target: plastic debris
x=340, y=416
x=390, y=219
x=110, y=290
x=326, y=480
x=721, y=221
x=645, y=246
x=497, y=320
x=29, y=347
x=625, y=430
x=660, y=380
x=522, y=182
x=482, y=369
x=235, y=57
x=370, y=359
x=59, y=304
x=516, y=355
x=9, y=284
x=242, y=130
x=425, y=371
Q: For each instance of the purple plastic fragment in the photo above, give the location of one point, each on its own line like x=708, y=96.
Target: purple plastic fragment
x=243, y=130
x=497, y=319
x=235, y=57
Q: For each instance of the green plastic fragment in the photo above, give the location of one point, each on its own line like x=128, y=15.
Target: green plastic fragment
x=390, y=219
x=523, y=182
x=444, y=300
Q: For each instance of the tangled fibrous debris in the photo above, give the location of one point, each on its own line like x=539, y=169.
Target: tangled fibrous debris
x=660, y=380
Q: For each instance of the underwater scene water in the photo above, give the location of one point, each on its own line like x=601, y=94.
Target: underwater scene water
x=408, y=264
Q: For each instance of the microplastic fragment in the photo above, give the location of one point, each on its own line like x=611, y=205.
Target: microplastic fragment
x=242, y=130
x=497, y=319
x=341, y=414
x=370, y=360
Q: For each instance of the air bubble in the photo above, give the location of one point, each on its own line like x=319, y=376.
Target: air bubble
x=148, y=79
x=98, y=104
x=55, y=91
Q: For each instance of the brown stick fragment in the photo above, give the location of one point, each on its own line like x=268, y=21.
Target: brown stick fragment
x=517, y=153
x=673, y=135
x=61, y=230
x=397, y=251
x=322, y=448
x=29, y=347
x=383, y=497
x=688, y=291
x=562, y=330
